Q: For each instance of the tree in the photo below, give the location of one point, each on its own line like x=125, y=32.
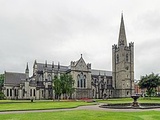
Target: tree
x=1, y=81
x=69, y=82
x=150, y=82
x=64, y=85
x=57, y=87
x=2, y=96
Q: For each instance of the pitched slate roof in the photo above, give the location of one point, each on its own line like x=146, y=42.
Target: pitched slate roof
x=14, y=78
x=32, y=83
x=101, y=72
x=41, y=66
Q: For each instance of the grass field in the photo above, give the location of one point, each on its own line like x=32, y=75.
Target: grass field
x=77, y=114
x=49, y=104
x=27, y=105
x=84, y=115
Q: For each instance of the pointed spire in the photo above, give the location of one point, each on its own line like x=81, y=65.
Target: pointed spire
x=46, y=63
x=58, y=65
x=52, y=64
x=81, y=55
x=27, y=71
x=99, y=73
x=35, y=62
x=27, y=66
x=122, y=35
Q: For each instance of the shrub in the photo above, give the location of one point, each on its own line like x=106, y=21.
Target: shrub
x=2, y=96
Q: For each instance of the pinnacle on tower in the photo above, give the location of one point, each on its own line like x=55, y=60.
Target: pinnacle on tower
x=35, y=62
x=52, y=64
x=46, y=63
x=58, y=65
x=27, y=67
x=122, y=35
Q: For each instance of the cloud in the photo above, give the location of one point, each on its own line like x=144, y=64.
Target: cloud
x=61, y=30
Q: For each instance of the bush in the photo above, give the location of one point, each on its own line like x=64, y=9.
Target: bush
x=2, y=96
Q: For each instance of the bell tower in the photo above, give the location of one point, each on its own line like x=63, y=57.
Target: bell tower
x=123, y=65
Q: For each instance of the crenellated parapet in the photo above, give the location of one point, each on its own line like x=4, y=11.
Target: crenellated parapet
x=89, y=65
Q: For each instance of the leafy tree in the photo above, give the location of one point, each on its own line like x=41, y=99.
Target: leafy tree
x=150, y=82
x=67, y=85
x=64, y=85
x=57, y=87
x=2, y=96
x=1, y=81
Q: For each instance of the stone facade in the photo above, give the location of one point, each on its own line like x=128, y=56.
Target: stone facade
x=89, y=83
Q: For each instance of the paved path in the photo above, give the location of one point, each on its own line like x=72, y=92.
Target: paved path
x=91, y=107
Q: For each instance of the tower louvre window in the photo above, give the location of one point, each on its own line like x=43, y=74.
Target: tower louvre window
x=127, y=57
x=117, y=58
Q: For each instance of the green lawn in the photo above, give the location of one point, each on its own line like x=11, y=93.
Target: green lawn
x=77, y=114
x=49, y=104
x=27, y=105
x=84, y=115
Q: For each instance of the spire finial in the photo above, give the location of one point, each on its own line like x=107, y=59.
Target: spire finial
x=81, y=55
x=122, y=35
x=27, y=66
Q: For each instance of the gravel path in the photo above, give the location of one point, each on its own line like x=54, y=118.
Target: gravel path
x=91, y=107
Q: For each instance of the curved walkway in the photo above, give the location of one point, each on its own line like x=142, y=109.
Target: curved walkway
x=90, y=107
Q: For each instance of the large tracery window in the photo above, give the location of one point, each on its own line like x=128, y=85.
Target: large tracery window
x=81, y=80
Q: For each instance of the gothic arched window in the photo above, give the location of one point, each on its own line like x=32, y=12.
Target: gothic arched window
x=84, y=81
x=93, y=92
x=81, y=83
x=49, y=78
x=117, y=58
x=78, y=81
x=127, y=57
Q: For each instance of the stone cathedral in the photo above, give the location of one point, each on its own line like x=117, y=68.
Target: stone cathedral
x=89, y=83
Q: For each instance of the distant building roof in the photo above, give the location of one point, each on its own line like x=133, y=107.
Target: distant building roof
x=14, y=78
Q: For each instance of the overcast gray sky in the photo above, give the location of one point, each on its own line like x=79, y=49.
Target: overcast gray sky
x=61, y=30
